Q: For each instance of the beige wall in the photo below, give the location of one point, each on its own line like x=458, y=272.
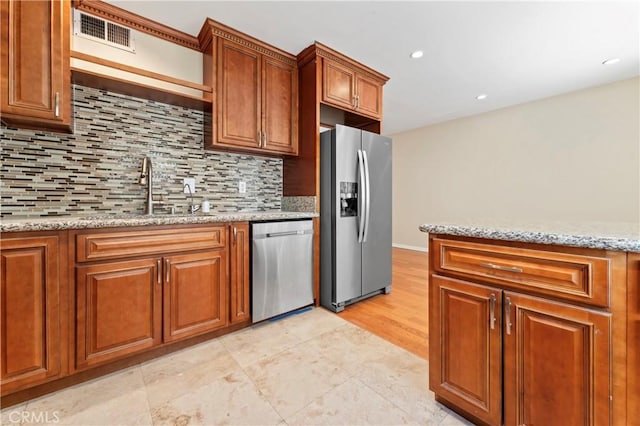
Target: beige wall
x=571, y=157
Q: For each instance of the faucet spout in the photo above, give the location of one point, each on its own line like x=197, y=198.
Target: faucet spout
x=192, y=208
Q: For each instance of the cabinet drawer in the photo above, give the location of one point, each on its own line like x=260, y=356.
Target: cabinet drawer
x=579, y=278
x=116, y=245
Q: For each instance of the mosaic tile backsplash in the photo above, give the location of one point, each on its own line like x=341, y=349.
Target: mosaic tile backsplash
x=97, y=169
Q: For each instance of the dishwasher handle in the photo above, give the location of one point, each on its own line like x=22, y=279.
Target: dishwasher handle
x=287, y=233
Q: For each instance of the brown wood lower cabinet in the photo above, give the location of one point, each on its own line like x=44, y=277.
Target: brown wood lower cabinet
x=31, y=317
x=556, y=356
x=119, y=310
x=239, y=282
x=502, y=356
x=195, y=296
x=466, y=345
x=130, y=297
x=556, y=363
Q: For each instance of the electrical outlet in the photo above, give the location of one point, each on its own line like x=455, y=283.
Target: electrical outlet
x=189, y=183
x=242, y=187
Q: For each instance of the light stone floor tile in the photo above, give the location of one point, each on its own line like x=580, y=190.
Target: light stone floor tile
x=230, y=400
x=403, y=378
x=313, y=323
x=351, y=403
x=171, y=377
x=350, y=347
x=453, y=419
x=117, y=399
x=12, y=415
x=259, y=342
x=292, y=379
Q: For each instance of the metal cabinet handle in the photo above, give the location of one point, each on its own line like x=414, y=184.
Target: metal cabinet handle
x=492, y=311
x=501, y=268
x=264, y=144
x=159, y=273
x=167, y=265
x=56, y=109
x=357, y=101
x=235, y=235
x=507, y=314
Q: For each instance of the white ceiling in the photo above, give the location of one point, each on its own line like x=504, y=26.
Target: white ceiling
x=514, y=52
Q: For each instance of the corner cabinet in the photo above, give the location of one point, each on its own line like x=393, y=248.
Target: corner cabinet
x=33, y=310
x=524, y=334
x=36, y=80
x=256, y=108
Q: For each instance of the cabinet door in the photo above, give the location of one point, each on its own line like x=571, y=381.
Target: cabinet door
x=368, y=97
x=338, y=85
x=280, y=106
x=118, y=310
x=633, y=336
x=240, y=299
x=30, y=316
x=556, y=363
x=195, y=294
x=239, y=90
x=465, y=350
x=36, y=83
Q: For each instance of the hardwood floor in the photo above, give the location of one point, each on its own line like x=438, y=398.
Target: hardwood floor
x=401, y=316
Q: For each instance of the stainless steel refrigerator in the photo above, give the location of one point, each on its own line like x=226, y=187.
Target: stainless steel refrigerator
x=355, y=216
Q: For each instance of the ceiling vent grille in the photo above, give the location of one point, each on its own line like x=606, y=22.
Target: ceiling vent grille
x=106, y=32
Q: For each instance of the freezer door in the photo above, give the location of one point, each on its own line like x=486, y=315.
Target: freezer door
x=376, y=250
x=347, y=251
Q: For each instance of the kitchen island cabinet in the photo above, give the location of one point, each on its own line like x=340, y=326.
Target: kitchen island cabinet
x=533, y=332
x=36, y=78
x=34, y=309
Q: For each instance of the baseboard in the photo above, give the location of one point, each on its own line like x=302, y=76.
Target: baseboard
x=407, y=247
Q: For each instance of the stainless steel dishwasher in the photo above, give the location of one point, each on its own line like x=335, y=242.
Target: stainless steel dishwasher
x=282, y=267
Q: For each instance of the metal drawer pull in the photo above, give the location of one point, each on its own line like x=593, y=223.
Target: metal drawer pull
x=507, y=314
x=502, y=268
x=492, y=311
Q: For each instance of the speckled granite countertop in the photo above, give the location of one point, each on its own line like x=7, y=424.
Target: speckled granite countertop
x=116, y=220
x=599, y=235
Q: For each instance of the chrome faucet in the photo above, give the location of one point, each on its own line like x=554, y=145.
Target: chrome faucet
x=192, y=207
x=147, y=174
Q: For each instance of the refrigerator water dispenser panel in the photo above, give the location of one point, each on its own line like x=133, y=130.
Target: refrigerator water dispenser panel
x=348, y=199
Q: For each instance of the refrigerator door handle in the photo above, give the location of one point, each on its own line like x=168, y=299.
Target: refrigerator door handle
x=367, y=191
x=361, y=196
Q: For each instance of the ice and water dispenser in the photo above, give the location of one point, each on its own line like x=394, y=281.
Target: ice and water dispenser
x=348, y=199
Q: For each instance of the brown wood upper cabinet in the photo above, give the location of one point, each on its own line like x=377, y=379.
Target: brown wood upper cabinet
x=256, y=108
x=36, y=88
x=33, y=308
x=346, y=87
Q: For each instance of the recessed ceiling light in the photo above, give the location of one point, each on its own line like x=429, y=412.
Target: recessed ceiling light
x=481, y=97
x=417, y=54
x=611, y=61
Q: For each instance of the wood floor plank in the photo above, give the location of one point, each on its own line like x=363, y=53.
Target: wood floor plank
x=401, y=316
